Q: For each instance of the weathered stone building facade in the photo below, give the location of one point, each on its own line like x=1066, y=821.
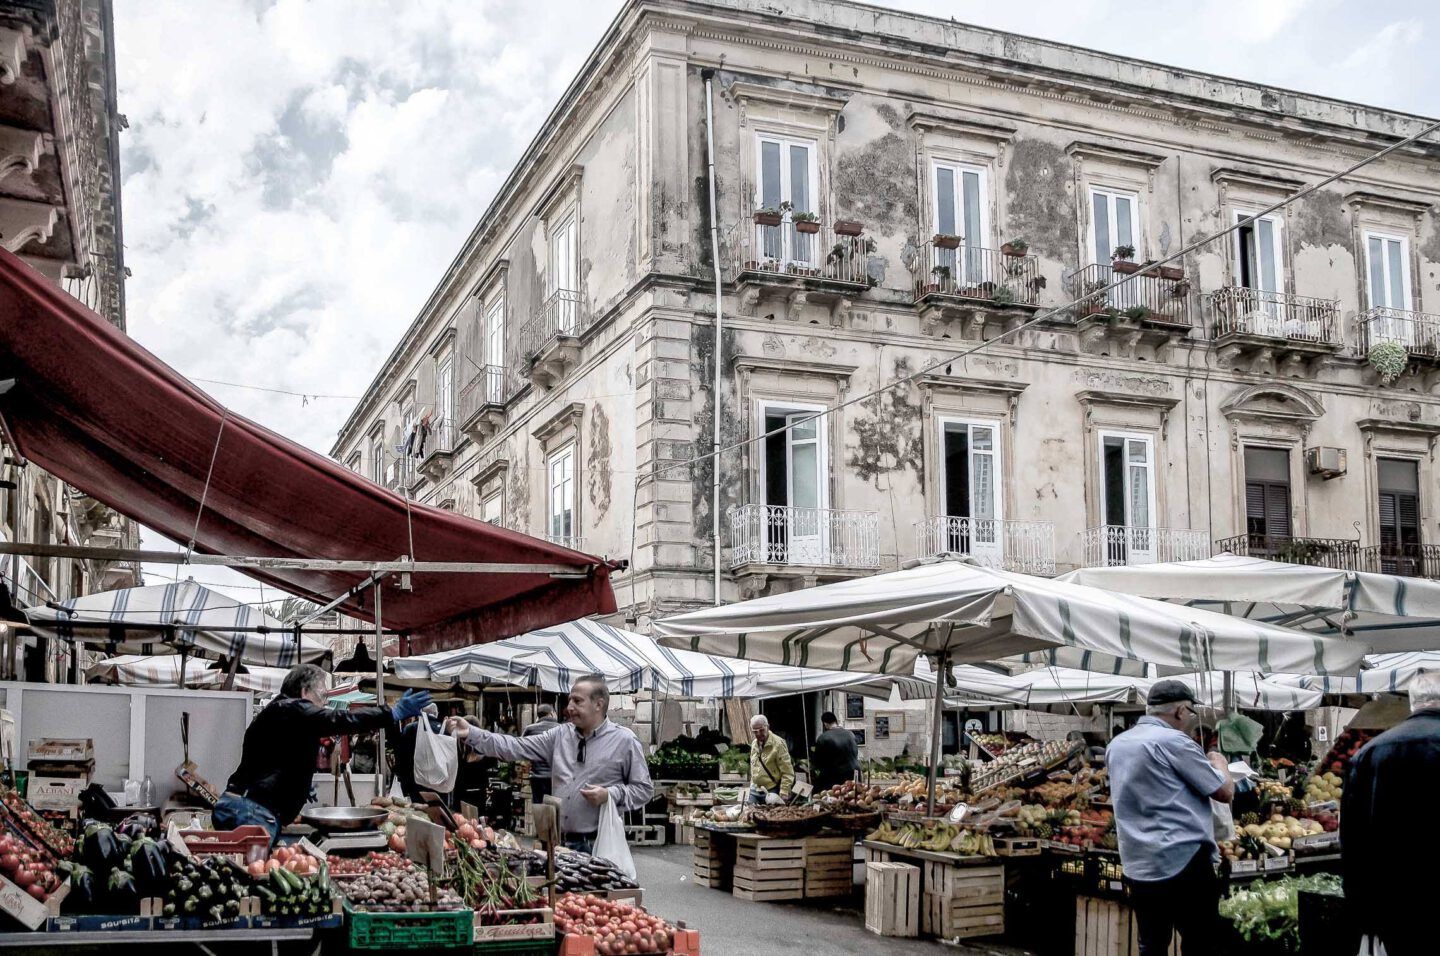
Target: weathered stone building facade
x=60, y=213
x=875, y=173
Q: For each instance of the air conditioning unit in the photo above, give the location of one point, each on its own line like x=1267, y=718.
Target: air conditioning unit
x=1326, y=462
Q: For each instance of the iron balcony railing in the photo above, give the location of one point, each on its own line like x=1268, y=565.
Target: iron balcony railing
x=785, y=251
x=1160, y=297
x=974, y=272
x=1113, y=545
x=1275, y=315
x=1418, y=332
x=563, y=313
x=1344, y=554
x=571, y=541
x=1024, y=546
x=1406, y=560
x=491, y=385
x=823, y=537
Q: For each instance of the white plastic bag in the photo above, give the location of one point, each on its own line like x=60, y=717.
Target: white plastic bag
x=610, y=843
x=437, y=759
x=1223, y=821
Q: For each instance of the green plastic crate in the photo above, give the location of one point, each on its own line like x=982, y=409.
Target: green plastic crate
x=448, y=930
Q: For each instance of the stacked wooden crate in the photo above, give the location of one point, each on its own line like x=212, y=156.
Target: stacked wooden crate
x=768, y=868
x=892, y=899
x=829, y=866
x=963, y=901
x=714, y=861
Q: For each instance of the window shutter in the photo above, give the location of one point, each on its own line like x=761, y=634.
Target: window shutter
x=1277, y=510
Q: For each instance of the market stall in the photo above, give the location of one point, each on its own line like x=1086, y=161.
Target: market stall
x=163, y=670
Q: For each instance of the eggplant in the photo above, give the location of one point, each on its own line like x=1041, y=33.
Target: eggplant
x=147, y=864
x=121, y=894
x=81, y=898
x=100, y=850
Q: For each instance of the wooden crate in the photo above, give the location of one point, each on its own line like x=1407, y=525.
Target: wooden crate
x=892, y=899
x=962, y=901
x=769, y=869
x=1017, y=846
x=1108, y=928
x=714, y=861
x=829, y=866
x=875, y=854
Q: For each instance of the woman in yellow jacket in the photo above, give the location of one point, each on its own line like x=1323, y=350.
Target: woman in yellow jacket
x=772, y=776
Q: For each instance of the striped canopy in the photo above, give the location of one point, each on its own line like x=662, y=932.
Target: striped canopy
x=163, y=670
x=1382, y=674
x=554, y=657
x=1387, y=612
x=184, y=615
x=881, y=623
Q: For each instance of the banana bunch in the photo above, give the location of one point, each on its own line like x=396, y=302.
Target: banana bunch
x=972, y=843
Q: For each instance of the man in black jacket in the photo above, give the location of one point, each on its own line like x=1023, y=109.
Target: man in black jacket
x=277, y=759
x=834, y=758
x=1387, y=862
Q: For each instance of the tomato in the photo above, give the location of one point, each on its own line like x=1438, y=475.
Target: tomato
x=10, y=862
x=23, y=878
x=396, y=842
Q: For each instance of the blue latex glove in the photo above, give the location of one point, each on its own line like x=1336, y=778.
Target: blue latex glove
x=410, y=705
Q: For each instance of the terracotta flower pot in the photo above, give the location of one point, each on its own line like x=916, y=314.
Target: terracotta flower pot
x=768, y=218
x=1173, y=273
x=808, y=226
x=1010, y=249
x=947, y=242
x=848, y=227
x=1125, y=267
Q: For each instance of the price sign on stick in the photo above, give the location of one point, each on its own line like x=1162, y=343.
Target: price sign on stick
x=802, y=790
x=547, y=830
x=425, y=844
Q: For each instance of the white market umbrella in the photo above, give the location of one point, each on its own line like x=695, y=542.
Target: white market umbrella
x=1388, y=612
x=554, y=657
x=163, y=670
x=1382, y=674
x=184, y=614
x=956, y=611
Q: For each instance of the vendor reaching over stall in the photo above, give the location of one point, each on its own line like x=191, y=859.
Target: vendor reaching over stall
x=772, y=775
x=591, y=762
x=277, y=760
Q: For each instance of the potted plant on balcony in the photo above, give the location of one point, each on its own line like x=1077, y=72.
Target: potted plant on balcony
x=806, y=222
x=1003, y=296
x=1121, y=260
x=1181, y=288
x=1093, y=301
x=944, y=240
x=1389, y=360
x=766, y=216
x=941, y=281
x=1137, y=313
x=848, y=227
x=1018, y=246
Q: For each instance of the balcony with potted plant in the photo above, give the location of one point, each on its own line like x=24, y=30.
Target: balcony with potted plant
x=969, y=286
x=1274, y=332
x=1124, y=304
x=790, y=255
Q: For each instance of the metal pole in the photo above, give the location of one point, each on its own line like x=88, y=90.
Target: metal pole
x=942, y=661
x=715, y=382
x=1228, y=694
x=379, y=694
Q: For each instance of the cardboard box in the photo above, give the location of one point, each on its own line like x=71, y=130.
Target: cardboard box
x=56, y=793
x=57, y=750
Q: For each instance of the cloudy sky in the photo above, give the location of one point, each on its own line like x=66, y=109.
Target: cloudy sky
x=298, y=173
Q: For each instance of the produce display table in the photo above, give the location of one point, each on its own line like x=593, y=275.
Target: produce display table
x=960, y=896
x=197, y=937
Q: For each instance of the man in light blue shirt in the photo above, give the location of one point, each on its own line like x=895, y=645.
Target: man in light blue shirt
x=1161, y=785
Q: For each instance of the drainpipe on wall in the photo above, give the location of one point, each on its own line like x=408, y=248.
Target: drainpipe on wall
x=708, y=76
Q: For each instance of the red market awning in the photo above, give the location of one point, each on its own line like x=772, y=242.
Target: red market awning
x=94, y=408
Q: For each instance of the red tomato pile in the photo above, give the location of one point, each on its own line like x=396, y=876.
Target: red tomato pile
x=478, y=837
x=296, y=861
x=617, y=927
x=26, y=867
x=356, y=866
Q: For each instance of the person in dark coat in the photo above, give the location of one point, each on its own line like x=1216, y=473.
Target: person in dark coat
x=835, y=758
x=1386, y=858
x=277, y=757
x=539, y=769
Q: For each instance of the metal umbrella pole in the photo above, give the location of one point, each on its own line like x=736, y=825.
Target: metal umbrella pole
x=942, y=661
x=379, y=693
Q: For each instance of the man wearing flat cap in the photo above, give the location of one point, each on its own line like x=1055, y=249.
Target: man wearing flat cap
x=1161, y=785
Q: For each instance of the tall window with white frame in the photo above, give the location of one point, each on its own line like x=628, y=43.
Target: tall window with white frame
x=960, y=198
x=787, y=182
x=1128, y=503
x=490, y=509
x=1267, y=500
x=796, y=485
x=1401, y=550
x=1260, y=268
x=562, y=497
x=495, y=352
x=563, y=297
x=1387, y=269
x=970, y=482
x=445, y=403
x=1114, y=228
x=377, y=459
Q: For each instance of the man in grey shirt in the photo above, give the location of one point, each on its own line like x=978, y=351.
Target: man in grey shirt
x=591, y=760
x=1161, y=785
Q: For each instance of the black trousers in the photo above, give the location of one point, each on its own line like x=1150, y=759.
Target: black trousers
x=1188, y=902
